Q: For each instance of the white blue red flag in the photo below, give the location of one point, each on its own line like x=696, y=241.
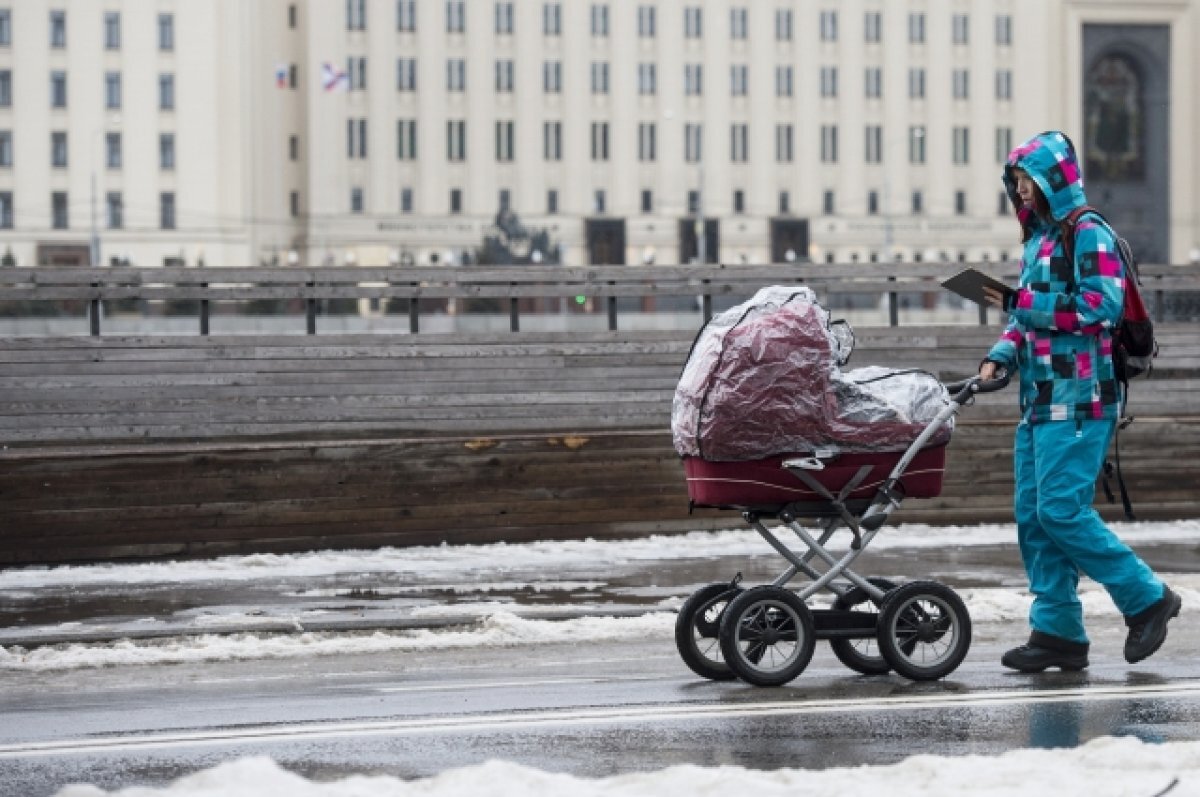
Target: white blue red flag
x=334, y=79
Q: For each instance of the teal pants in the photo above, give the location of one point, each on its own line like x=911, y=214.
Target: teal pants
x=1056, y=464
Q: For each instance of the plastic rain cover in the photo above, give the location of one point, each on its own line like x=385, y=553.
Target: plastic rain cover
x=765, y=378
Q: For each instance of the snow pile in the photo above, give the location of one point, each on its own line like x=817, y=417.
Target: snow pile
x=1104, y=767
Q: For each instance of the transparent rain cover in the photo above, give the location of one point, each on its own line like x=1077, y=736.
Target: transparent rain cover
x=766, y=378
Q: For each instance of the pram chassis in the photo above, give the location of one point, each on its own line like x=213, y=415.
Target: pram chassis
x=766, y=635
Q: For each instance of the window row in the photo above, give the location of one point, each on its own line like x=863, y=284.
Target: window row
x=111, y=29
x=875, y=143
x=455, y=20
x=113, y=94
x=114, y=157
x=114, y=207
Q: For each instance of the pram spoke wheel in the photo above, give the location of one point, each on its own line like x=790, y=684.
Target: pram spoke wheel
x=860, y=655
x=767, y=636
x=924, y=630
x=697, y=631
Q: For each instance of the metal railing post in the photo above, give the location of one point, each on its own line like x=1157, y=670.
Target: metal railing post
x=311, y=311
x=514, y=312
x=414, y=315
x=612, y=312
x=204, y=312
x=94, y=312
x=893, y=306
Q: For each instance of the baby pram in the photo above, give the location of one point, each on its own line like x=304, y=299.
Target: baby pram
x=769, y=424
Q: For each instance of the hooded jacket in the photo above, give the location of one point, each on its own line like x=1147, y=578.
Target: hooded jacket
x=1061, y=319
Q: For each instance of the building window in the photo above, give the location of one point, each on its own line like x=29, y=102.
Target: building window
x=58, y=30
x=552, y=202
x=166, y=92
x=293, y=76
x=5, y=27
x=552, y=141
x=783, y=81
x=58, y=89
x=693, y=80
x=166, y=151
x=1004, y=206
x=356, y=14
x=5, y=88
x=599, y=77
x=693, y=203
x=504, y=76
x=961, y=81
x=646, y=22
x=294, y=204
x=599, y=141
x=737, y=23
x=6, y=210
x=918, y=203
x=552, y=77
x=406, y=16
x=783, y=24
x=60, y=220
x=504, y=141
x=356, y=200
x=1003, y=144
x=504, y=18
x=599, y=201
x=294, y=147
x=166, y=32
x=647, y=142
x=828, y=26
x=874, y=82
x=356, y=73
x=692, y=141
x=1003, y=30
x=829, y=148
x=58, y=149
x=739, y=201
x=916, y=28
x=599, y=19
x=827, y=205
x=916, y=83
x=647, y=201
x=873, y=27
x=406, y=200
x=456, y=202
x=456, y=16
x=960, y=203
x=1004, y=84
x=6, y=148
x=112, y=30
x=112, y=90
x=552, y=19
x=693, y=27
x=829, y=81
x=356, y=138
x=406, y=139
x=115, y=210
x=739, y=80
x=739, y=143
x=112, y=150
x=406, y=74
x=785, y=203
x=872, y=203
x=783, y=143
x=916, y=144
x=962, y=145
x=874, y=144
x=456, y=74
x=647, y=79
x=960, y=31
x=456, y=140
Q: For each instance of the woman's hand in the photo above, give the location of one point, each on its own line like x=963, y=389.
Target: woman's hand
x=994, y=297
x=987, y=370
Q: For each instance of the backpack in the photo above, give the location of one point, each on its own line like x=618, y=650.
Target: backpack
x=1134, y=345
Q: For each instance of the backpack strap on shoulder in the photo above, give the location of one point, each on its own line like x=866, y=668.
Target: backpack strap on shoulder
x=1068, y=226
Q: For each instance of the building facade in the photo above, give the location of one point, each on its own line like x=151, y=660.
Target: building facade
x=376, y=132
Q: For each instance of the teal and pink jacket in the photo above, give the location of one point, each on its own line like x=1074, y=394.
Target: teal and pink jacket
x=1059, y=333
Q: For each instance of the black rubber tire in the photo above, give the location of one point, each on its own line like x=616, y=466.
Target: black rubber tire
x=854, y=653
x=924, y=630
x=697, y=631
x=767, y=636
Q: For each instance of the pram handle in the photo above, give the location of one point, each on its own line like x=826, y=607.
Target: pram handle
x=962, y=390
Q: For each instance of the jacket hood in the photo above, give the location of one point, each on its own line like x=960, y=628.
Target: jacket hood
x=1050, y=159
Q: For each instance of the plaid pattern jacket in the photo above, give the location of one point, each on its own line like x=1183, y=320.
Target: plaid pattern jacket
x=1059, y=332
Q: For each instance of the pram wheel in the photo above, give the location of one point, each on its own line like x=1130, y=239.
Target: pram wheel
x=767, y=636
x=924, y=630
x=697, y=630
x=860, y=654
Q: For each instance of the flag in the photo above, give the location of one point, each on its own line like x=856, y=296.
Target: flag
x=281, y=76
x=334, y=79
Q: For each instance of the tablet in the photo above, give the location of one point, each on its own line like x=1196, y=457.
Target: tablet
x=969, y=284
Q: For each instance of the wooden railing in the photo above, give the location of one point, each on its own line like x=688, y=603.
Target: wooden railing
x=508, y=285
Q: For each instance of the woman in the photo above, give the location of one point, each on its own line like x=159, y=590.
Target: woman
x=1059, y=336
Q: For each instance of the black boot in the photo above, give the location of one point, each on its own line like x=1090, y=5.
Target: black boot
x=1148, y=628
x=1043, y=651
